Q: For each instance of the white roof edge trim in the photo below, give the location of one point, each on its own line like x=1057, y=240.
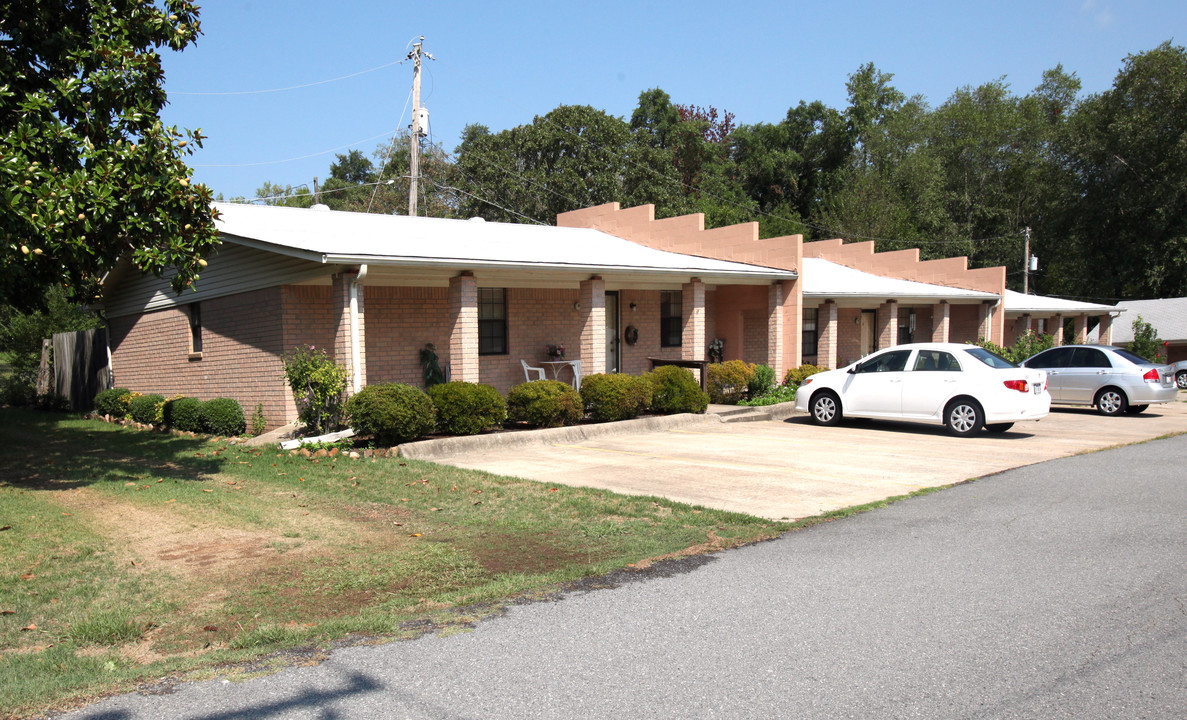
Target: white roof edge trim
x=381, y=260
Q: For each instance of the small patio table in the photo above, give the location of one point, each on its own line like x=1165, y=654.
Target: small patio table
x=557, y=365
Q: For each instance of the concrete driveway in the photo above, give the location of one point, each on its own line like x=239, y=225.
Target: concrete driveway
x=793, y=469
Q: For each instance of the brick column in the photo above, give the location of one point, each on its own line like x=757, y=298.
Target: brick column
x=463, y=332
x=1058, y=329
x=941, y=314
x=826, y=334
x=343, y=340
x=593, y=326
x=1106, y=330
x=775, y=335
x=887, y=320
x=692, y=341
x=985, y=321
x=1081, y=329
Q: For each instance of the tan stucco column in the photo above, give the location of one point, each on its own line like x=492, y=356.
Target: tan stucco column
x=1027, y=324
x=1057, y=331
x=826, y=334
x=775, y=336
x=793, y=324
x=1081, y=335
x=1106, y=330
x=985, y=322
x=887, y=324
x=463, y=328
x=593, y=325
x=941, y=320
x=692, y=340
x=343, y=335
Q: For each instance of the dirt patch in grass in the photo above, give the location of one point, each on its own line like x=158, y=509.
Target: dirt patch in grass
x=500, y=553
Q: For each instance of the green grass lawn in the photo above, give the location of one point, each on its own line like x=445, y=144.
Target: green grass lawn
x=128, y=555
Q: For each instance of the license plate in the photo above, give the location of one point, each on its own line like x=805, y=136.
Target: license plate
x=1038, y=388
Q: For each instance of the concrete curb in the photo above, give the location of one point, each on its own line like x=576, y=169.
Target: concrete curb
x=444, y=447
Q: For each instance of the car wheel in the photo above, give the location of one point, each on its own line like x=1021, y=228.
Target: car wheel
x=963, y=417
x=996, y=428
x=825, y=409
x=1111, y=401
x=1135, y=409
x=1181, y=379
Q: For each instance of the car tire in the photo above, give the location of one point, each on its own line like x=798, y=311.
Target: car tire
x=825, y=408
x=1135, y=409
x=1181, y=379
x=998, y=428
x=1111, y=401
x=963, y=417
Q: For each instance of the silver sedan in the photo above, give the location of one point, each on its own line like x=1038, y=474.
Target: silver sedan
x=1113, y=379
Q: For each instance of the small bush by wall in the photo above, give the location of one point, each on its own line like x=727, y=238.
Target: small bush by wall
x=727, y=382
x=544, y=403
x=613, y=397
x=222, y=416
x=393, y=413
x=115, y=402
x=795, y=376
x=146, y=409
x=762, y=382
x=467, y=408
x=676, y=391
x=183, y=413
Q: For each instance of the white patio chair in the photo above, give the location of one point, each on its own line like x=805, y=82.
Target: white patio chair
x=577, y=375
x=528, y=370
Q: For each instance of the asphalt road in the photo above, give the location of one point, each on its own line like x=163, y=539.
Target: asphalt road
x=1053, y=591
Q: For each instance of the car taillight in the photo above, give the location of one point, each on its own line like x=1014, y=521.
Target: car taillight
x=1019, y=385
x=1151, y=375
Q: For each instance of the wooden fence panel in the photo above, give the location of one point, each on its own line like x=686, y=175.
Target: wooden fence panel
x=81, y=369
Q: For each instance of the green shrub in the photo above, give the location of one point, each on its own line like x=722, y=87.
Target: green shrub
x=675, y=390
x=114, y=402
x=318, y=384
x=776, y=394
x=1146, y=342
x=183, y=413
x=608, y=398
x=146, y=409
x=392, y=413
x=1026, y=345
x=795, y=376
x=258, y=422
x=727, y=381
x=467, y=408
x=223, y=416
x=544, y=403
x=762, y=382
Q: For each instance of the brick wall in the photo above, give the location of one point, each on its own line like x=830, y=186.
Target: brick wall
x=964, y=323
x=535, y=317
x=400, y=320
x=645, y=318
x=754, y=337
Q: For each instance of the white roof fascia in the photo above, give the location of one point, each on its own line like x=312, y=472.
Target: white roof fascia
x=335, y=237
x=1019, y=304
x=827, y=279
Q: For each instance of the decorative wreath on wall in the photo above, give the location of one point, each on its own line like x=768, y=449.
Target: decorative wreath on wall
x=631, y=335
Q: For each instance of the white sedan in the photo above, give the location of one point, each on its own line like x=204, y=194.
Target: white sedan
x=962, y=387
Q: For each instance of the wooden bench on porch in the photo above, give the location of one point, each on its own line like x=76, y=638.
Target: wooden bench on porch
x=691, y=364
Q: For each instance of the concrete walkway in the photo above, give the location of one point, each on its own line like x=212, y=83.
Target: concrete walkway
x=792, y=468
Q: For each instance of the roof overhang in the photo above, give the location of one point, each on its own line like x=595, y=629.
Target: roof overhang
x=849, y=287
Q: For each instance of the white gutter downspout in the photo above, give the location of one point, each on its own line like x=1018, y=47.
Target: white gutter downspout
x=356, y=358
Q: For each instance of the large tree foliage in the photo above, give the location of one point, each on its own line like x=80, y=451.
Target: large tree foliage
x=88, y=173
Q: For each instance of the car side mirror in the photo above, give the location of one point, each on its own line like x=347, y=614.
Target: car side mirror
x=852, y=370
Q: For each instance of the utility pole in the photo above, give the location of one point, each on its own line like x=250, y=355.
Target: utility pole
x=1026, y=265
x=417, y=130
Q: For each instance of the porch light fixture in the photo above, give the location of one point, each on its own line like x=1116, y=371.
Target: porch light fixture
x=577, y=305
x=633, y=306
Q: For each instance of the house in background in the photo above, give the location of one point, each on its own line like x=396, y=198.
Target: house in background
x=1168, y=316
x=1047, y=315
x=374, y=289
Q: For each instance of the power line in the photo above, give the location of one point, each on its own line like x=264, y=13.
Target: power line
x=301, y=157
x=290, y=87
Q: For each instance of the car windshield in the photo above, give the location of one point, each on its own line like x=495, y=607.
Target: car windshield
x=993, y=361
x=1135, y=359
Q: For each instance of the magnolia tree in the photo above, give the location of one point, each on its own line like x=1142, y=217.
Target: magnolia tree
x=88, y=172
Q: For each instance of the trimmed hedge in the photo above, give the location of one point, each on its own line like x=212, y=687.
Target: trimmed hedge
x=727, y=382
x=114, y=402
x=612, y=397
x=676, y=391
x=222, y=416
x=795, y=376
x=467, y=408
x=544, y=403
x=392, y=413
x=146, y=409
x=183, y=413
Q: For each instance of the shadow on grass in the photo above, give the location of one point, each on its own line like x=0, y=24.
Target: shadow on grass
x=55, y=451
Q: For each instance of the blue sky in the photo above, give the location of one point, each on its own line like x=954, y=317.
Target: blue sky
x=502, y=63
